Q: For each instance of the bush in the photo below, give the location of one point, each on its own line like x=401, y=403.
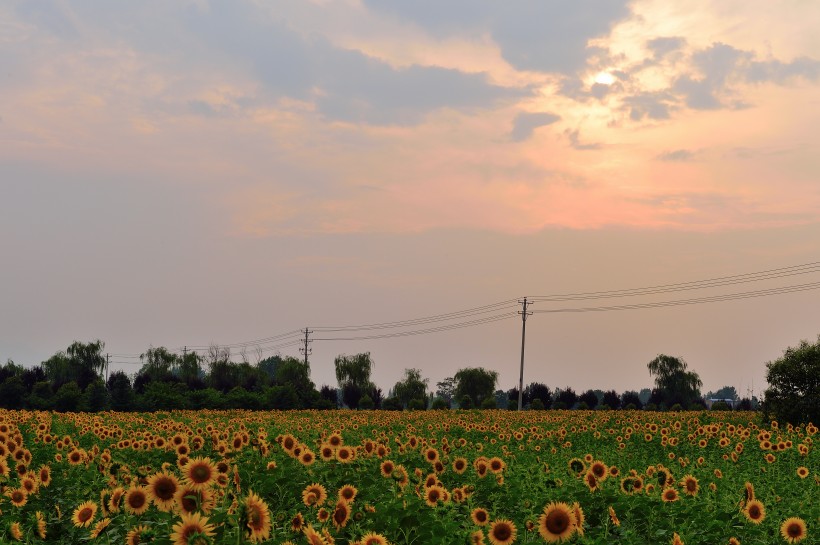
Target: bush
x=391, y=404
x=676, y=407
x=440, y=404
x=417, y=405
x=630, y=407
x=366, y=403
x=537, y=405
x=720, y=406
x=582, y=406
x=650, y=407
x=466, y=402
x=558, y=406
x=489, y=403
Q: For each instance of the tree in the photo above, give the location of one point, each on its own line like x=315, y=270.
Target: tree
x=475, y=382
x=727, y=392
x=12, y=393
x=567, y=397
x=120, y=391
x=536, y=390
x=296, y=374
x=81, y=363
x=793, y=394
x=633, y=398
x=68, y=398
x=95, y=397
x=673, y=382
x=589, y=398
x=612, y=400
x=411, y=387
x=353, y=376
x=446, y=389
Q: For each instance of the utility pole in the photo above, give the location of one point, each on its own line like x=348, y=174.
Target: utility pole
x=306, y=351
x=107, y=361
x=524, y=315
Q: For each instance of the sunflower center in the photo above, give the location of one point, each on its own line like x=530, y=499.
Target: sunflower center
x=85, y=514
x=201, y=474
x=502, y=532
x=557, y=522
x=136, y=500
x=794, y=530
x=164, y=489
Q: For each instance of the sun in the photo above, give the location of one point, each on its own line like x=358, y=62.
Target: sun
x=604, y=78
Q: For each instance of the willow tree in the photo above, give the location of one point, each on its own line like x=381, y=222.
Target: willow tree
x=673, y=382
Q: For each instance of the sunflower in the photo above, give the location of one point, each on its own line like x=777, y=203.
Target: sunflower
x=676, y=540
x=433, y=495
x=734, y=541
x=115, y=499
x=480, y=516
x=502, y=532
x=431, y=455
x=348, y=493
x=322, y=515
x=41, y=524
x=44, y=476
x=613, y=517
x=341, y=514
x=793, y=530
x=136, y=500
x=15, y=531
x=190, y=525
x=576, y=466
x=101, y=525
x=669, y=495
x=297, y=522
x=161, y=490
x=459, y=465
x=591, y=481
x=477, y=538
x=690, y=485
x=802, y=472
x=306, y=457
x=557, y=523
x=754, y=511
x=17, y=496
x=387, y=468
x=373, y=539
x=497, y=465
x=749, y=491
x=314, y=537
x=189, y=499
x=199, y=473
x=579, y=518
x=314, y=494
x=84, y=514
x=258, y=516
x=345, y=454
x=599, y=469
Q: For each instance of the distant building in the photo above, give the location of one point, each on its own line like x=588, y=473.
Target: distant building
x=730, y=402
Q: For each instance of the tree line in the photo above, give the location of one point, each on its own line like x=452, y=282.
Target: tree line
x=75, y=380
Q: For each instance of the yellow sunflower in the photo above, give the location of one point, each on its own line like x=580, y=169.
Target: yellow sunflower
x=348, y=493
x=191, y=524
x=373, y=539
x=136, y=500
x=199, y=473
x=755, y=511
x=557, y=522
x=84, y=514
x=161, y=490
x=502, y=532
x=258, y=516
x=314, y=494
x=101, y=525
x=793, y=529
x=480, y=516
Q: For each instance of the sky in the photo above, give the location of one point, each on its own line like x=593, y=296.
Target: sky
x=182, y=173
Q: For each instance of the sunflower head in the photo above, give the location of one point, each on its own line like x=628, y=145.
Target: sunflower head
x=502, y=532
x=557, y=522
x=755, y=511
x=793, y=529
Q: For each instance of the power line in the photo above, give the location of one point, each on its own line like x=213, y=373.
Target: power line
x=783, y=272
x=692, y=301
x=437, y=329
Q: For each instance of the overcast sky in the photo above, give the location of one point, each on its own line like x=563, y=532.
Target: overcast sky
x=190, y=172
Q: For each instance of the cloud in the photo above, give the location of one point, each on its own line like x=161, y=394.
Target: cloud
x=652, y=105
x=532, y=34
x=526, y=122
x=677, y=155
x=345, y=84
x=664, y=45
x=575, y=141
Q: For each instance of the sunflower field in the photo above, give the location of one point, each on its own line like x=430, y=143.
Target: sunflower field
x=420, y=477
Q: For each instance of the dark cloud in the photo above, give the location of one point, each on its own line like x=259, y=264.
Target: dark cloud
x=345, y=84
x=664, y=45
x=575, y=141
x=526, y=122
x=657, y=105
x=677, y=155
x=532, y=34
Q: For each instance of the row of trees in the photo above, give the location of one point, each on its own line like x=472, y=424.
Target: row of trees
x=73, y=380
